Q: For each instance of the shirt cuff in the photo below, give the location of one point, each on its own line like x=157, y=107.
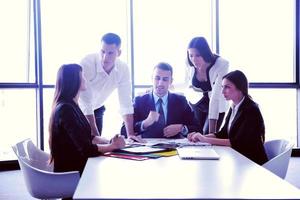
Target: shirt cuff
x=126, y=111
x=142, y=126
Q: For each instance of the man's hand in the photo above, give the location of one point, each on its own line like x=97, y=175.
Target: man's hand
x=172, y=130
x=153, y=116
x=136, y=138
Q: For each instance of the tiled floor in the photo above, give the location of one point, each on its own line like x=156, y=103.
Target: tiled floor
x=12, y=186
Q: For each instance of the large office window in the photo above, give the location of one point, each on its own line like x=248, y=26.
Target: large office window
x=17, y=117
x=15, y=22
x=279, y=113
x=17, y=77
x=255, y=36
x=162, y=31
x=259, y=37
x=71, y=30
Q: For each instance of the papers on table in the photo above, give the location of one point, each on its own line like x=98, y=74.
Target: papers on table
x=154, y=148
x=141, y=149
x=174, y=142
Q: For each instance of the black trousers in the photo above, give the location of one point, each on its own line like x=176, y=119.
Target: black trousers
x=99, y=113
x=203, y=121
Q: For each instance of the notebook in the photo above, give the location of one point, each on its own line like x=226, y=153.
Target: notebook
x=197, y=153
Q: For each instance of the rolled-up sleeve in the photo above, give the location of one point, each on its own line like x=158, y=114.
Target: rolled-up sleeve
x=86, y=97
x=124, y=91
x=216, y=98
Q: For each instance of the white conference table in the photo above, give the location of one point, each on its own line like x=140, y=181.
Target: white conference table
x=233, y=176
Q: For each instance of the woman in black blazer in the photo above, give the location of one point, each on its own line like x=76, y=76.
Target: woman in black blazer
x=70, y=138
x=244, y=128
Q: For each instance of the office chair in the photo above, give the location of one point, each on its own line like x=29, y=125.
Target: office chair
x=40, y=180
x=279, y=154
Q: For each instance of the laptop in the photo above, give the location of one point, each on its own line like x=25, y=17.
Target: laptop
x=197, y=153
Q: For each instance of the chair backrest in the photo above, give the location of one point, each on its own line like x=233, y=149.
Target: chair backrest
x=37, y=158
x=42, y=183
x=279, y=153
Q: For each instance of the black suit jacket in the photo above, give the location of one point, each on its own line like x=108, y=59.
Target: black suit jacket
x=71, y=138
x=247, y=132
x=179, y=112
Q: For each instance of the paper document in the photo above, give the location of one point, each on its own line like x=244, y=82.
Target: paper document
x=152, y=142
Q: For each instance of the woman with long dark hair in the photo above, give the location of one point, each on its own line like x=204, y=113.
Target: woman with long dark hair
x=70, y=138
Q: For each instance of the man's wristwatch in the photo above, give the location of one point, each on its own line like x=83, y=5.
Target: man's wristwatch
x=184, y=131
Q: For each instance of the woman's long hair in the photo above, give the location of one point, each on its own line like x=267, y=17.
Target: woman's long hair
x=67, y=85
x=202, y=46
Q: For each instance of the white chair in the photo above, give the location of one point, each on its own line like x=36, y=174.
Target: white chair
x=279, y=154
x=40, y=181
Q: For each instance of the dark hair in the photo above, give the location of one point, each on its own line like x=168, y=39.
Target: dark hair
x=66, y=88
x=201, y=45
x=164, y=66
x=239, y=79
x=67, y=82
x=111, y=38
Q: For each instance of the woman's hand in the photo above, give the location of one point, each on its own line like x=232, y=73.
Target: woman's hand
x=118, y=142
x=193, y=136
x=197, y=137
x=100, y=140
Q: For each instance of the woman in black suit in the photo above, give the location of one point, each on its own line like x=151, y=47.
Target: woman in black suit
x=70, y=138
x=244, y=128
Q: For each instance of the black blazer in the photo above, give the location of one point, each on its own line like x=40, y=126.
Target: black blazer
x=247, y=132
x=179, y=112
x=71, y=138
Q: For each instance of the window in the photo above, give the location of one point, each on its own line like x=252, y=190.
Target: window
x=258, y=38
x=18, y=118
x=159, y=35
x=72, y=29
x=279, y=113
x=15, y=40
x=17, y=104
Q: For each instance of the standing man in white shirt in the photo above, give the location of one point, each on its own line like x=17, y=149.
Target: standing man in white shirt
x=105, y=72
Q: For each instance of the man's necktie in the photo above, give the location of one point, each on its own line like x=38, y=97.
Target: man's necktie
x=161, y=118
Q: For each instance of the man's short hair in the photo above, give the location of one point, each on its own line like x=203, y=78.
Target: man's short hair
x=111, y=38
x=164, y=66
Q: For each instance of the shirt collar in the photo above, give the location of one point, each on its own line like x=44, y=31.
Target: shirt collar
x=164, y=98
x=236, y=107
x=100, y=67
